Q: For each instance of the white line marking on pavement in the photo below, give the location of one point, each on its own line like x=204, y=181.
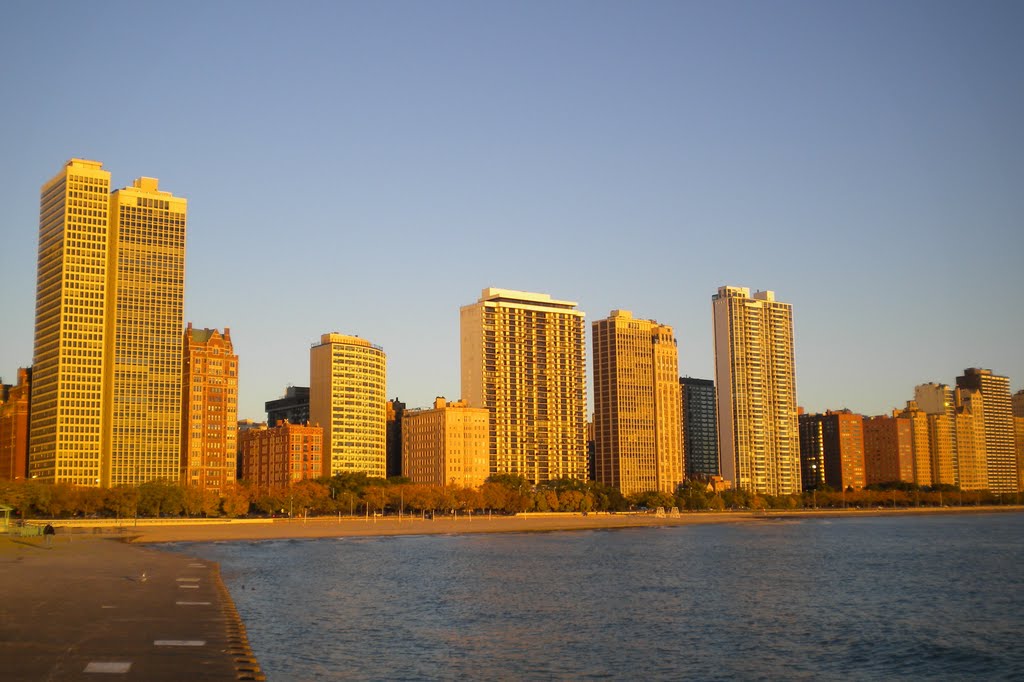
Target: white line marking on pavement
x=107, y=667
x=197, y=565
x=108, y=607
x=192, y=603
x=189, y=587
x=188, y=580
x=179, y=642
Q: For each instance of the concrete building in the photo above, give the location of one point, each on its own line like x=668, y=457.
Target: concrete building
x=637, y=413
x=347, y=389
x=446, y=445
x=758, y=436
x=395, y=412
x=1017, y=402
x=700, y=428
x=209, y=415
x=921, y=440
x=937, y=401
x=972, y=452
x=106, y=390
x=281, y=455
x=888, y=450
x=243, y=426
x=142, y=375
x=523, y=358
x=1000, y=448
x=293, y=407
x=832, y=450
x=14, y=418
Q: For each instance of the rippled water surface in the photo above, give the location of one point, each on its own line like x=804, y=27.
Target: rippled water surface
x=869, y=598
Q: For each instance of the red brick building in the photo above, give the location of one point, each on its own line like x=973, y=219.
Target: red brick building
x=14, y=413
x=281, y=455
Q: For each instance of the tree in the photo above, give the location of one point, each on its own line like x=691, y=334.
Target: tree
x=159, y=497
x=122, y=500
x=235, y=500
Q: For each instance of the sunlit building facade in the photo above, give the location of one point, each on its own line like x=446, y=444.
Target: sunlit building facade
x=143, y=348
x=755, y=375
x=972, y=454
x=106, y=395
x=347, y=396
x=280, y=455
x=523, y=358
x=66, y=428
x=888, y=450
x=921, y=442
x=14, y=418
x=832, y=450
x=209, y=409
x=446, y=445
x=638, y=437
x=1000, y=449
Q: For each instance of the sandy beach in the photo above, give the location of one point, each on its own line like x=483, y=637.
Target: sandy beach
x=414, y=525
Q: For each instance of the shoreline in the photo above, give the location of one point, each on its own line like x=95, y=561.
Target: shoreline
x=330, y=527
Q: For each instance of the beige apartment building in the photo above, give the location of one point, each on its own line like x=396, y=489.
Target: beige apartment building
x=144, y=342
x=1017, y=403
x=937, y=401
x=281, y=455
x=1000, y=449
x=347, y=398
x=921, y=440
x=638, y=436
x=106, y=396
x=755, y=376
x=972, y=456
x=523, y=359
x=209, y=409
x=446, y=445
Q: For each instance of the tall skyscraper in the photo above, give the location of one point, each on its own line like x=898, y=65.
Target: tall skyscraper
x=637, y=412
x=972, y=452
x=70, y=330
x=1001, y=453
x=937, y=401
x=523, y=358
x=143, y=349
x=920, y=434
x=700, y=427
x=209, y=409
x=832, y=450
x=106, y=390
x=758, y=436
x=347, y=389
x=1017, y=402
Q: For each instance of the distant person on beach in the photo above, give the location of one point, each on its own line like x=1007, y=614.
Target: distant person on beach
x=48, y=533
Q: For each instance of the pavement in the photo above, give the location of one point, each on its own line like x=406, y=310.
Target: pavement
x=94, y=608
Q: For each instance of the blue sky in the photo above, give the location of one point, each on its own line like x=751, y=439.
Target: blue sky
x=369, y=168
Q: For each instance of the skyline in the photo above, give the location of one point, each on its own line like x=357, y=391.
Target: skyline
x=863, y=162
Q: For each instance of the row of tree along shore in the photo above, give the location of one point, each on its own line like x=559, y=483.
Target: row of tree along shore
x=358, y=494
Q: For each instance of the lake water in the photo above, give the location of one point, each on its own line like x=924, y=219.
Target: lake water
x=869, y=598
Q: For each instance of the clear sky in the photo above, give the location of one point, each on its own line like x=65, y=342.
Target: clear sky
x=368, y=168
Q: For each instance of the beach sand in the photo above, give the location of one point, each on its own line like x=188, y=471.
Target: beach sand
x=321, y=527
